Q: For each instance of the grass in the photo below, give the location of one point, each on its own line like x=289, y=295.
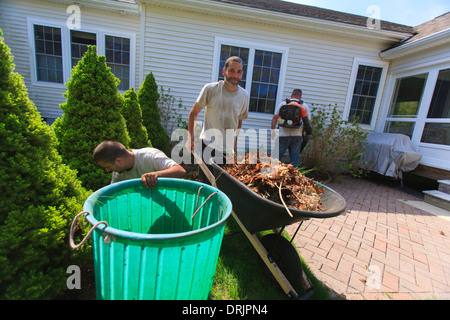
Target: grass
x=240, y=274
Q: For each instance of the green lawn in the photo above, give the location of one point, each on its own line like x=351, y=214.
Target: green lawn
x=241, y=276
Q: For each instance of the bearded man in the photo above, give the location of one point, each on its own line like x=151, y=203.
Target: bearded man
x=226, y=106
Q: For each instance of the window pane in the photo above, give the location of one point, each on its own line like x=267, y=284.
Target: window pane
x=438, y=133
x=440, y=104
x=407, y=96
x=47, y=42
x=118, y=59
x=402, y=127
x=266, y=74
x=365, y=93
x=79, y=44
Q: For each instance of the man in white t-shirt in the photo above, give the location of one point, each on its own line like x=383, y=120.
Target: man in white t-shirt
x=146, y=163
x=226, y=106
x=292, y=138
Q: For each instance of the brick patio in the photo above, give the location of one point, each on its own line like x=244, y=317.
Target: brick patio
x=380, y=248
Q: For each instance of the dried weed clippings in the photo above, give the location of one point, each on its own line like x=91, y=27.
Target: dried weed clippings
x=274, y=179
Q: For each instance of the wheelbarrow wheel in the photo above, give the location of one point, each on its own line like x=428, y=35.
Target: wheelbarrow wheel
x=281, y=251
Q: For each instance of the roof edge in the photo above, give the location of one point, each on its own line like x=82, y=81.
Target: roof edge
x=431, y=41
x=256, y=14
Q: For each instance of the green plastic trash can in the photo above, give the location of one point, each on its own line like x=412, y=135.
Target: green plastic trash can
x=152, y=248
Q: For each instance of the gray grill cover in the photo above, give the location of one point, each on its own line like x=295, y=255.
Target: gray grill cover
x=390, y=154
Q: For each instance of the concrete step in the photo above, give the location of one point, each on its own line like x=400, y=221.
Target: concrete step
x=444, y=186
x=437, y=198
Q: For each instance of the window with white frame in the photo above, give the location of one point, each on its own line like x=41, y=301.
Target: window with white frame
x=437, y=125
x=51, y=57
x=262, y=73
x=404, y=108
x=49, y=60
x=117, y=51
x=364, y=93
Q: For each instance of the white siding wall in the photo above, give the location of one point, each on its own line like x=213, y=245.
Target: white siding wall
x=424, y=59
x=179, y=50
x=14, y=17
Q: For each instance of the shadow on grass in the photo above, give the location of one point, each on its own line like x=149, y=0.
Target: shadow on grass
x=240, y=274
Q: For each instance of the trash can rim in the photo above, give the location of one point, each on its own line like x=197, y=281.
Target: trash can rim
x=88, y=208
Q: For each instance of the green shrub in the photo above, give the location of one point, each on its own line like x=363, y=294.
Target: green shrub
x=132, y=113
x=151, y=119
x=39, y=197
x=91, y=116
x=337, y=144
x=170, y=115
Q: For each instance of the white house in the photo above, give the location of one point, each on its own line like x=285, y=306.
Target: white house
x=396, y=78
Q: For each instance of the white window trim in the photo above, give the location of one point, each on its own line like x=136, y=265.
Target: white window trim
x=64, y=38
x=351, y=87
x=219, y=41
x=66, y=54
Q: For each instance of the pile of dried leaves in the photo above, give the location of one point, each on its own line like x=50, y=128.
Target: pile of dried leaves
x=280, y=183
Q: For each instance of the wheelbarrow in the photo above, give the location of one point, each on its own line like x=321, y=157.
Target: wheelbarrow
x=254, y=213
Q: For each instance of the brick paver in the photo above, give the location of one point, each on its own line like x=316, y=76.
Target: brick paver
x=380, y=248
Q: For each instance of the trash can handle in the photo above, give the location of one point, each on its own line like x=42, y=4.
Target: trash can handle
x=106, y=237
x=196, y=205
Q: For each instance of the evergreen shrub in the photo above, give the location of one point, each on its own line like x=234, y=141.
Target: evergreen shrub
x=91, y=116
x=151, y=119
x=39, y=197
x=132, y=113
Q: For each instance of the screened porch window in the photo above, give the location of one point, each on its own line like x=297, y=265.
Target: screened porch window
x=405, y=104
x=437, y=125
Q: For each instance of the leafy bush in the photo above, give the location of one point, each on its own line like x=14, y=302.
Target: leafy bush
x=148, y=100
x=39, y=197
x=170, y=116
x=91, y=115
x=337, y=144
x=132, y=113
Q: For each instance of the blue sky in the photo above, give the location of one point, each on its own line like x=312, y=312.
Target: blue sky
x=408, y=12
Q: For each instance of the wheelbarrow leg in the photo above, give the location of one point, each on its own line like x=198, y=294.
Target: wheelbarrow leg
x=272, y=266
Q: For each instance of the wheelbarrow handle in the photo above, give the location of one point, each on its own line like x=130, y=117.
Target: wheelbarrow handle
x=205, y=169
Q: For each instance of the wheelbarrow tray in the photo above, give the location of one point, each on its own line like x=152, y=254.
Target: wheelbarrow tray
x=258, y=214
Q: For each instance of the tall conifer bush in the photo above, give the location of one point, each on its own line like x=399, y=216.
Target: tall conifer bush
x=39, y=197
x=132, y=113
x=148, y=100
x=91, y=116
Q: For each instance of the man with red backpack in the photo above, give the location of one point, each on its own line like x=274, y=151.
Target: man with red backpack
x=292, y=117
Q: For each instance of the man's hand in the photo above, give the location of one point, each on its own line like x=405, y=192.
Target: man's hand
x=273, y=134
x=149, y=179
x=190, y=144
